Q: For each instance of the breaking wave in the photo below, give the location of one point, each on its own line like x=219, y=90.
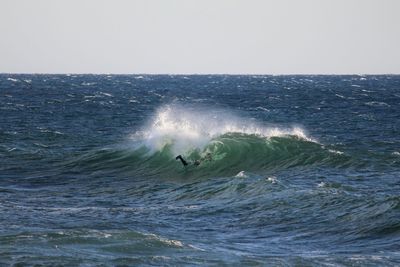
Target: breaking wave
x=213, y=143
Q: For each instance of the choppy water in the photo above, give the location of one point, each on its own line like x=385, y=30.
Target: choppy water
x=295, y=170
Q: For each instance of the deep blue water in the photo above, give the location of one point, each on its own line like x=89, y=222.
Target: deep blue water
x=294, y=170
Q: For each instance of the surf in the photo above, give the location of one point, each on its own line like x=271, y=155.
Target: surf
x=222, y=143
x=234, y=143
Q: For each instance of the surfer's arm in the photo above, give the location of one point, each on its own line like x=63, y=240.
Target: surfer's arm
x=182, y=160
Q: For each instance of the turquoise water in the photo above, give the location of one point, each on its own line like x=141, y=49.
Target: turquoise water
x=294, y=170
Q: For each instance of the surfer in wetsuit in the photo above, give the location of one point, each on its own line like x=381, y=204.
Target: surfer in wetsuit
x=184, y=162
x=196, y=162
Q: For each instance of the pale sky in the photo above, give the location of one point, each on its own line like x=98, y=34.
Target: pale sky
x=200, y=36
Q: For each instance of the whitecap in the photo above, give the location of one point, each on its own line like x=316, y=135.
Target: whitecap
x=367, y=91
x=88, y=83
x=377, y=104
x=336, y=151
x=186, y=129
x=159, y=95
x=341, y=96
x=262, y=108
x=90, y=96
x=241, y=175
x=272, y=179
x=106, y=94
x=12, y=80
x=170, y=242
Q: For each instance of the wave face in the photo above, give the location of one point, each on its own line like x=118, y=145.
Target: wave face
x=222, y=144
x=282, y=170
x=214, y=143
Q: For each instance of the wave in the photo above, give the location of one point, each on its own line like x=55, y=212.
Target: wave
x=193, y=128
x=213, y=143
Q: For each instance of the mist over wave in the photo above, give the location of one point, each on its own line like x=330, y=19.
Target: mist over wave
x=185, y=130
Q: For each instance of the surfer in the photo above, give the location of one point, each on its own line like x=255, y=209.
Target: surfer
x=184, y=162
x=196, y=162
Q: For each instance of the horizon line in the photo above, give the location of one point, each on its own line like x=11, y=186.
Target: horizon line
x=200, y=74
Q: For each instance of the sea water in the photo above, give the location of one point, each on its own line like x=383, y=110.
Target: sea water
x=292, y=170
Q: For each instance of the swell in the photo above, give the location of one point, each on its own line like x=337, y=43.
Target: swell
x=225, y=155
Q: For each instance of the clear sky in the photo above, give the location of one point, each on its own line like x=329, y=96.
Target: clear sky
x=200, y=36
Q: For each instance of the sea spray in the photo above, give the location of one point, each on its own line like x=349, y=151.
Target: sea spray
x=187, y=130
x=233, y=143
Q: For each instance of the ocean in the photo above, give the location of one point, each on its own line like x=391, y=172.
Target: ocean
x=281, y=170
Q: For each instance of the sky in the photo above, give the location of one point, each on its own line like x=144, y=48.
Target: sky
x=200, y=36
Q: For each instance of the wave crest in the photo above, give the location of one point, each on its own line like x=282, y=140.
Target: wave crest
x=224, y=145
x=185, y=130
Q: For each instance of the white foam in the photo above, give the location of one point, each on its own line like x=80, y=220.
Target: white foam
x=341, y=96
x=186, y=129
x=336, y=151
x=106, y=94
x=262, y=108
x=88, y=84
x=377, y=104
x=272, y=179
x=12, y=79
x=170, y=242
x=241, y=175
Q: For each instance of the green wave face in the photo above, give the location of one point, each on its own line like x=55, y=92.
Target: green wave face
x=223, y=156
x=231, y=153
x=222, y=145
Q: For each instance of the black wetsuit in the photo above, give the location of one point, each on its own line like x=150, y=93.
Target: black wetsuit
x=184, y=162
x=196, y=162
